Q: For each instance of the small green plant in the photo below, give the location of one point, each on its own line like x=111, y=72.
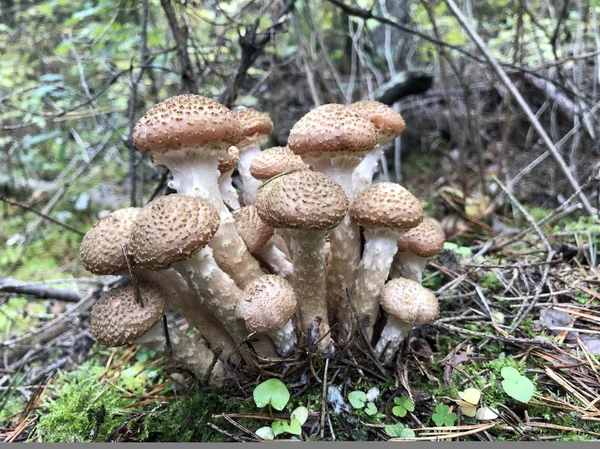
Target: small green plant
x=463, y=251
x=275, y=394
x=403, y=406
x=442, y=416
x=358, y=400
x=516, y=385
x=399, y=430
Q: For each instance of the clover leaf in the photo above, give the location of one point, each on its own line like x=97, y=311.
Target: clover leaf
x=370, y=409
x=443, y=416
x=403, y=406
x=271, y=392
x=516, y=385
x=399, y=430
x=358, y=399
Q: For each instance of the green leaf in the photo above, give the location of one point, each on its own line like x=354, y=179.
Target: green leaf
x=272, y=391
x=403, y=406
x=277, y=427
x=450, y=419
x=442, y=416
x=399, y=411
x=399, y=431
x=293, y=427
x=371, y=409
x=300, y=415
x=266, y=433
x=357, y=399
x=516, y=386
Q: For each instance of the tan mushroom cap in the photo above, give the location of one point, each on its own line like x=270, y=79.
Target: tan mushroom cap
x=102, y=248
x=117, y=319
x=253, y=231
x=268, y=304
x=172, y=228
x=388, y=122
x=274, y=161
x=332, y=129
x=253, y=122
x=386, y=205
x=302, y=200
x=185, y=120
x=426, y=240
x=229, y=162
x=409, y=301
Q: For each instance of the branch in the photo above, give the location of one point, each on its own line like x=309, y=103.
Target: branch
x=37, y=290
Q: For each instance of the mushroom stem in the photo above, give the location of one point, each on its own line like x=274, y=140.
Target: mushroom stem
x=285, y=339
x=408, y=265
x=219, y=293
x=195, y=173
x=309, y=284
x=228, y=192
x=276, y=260
x=362, y=177
x=192, y=354
x=251, y=184
x=392, y=336
x=379, y=251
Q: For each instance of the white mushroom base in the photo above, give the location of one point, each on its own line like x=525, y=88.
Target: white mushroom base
x=285, y=339
x=276, y=260
x=392, y=336
x=409, y=266
x=362, y=177
x=250, y=183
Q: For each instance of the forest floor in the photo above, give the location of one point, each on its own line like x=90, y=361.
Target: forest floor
x=525, y=298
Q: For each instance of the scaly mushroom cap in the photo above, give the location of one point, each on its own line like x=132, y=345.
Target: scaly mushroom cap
x=256, y=125
x=117, y=319
x=426, y=240
x=409, y=301
x=274, y=161
x=172, y=228
x=302, y=200
x=388, y=122
x=332, y=129
x=229, y=162
x=386, y=205
x=102, y=248
x=268, y=304
x=185, y=120
x=255, y=232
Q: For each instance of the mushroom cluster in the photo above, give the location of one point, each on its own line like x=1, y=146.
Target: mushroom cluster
x=270, y=262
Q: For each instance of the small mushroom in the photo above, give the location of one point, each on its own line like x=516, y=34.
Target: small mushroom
x=407, y=304
x=226, y=166
x=275, y=161
x=267, y=308
x=389, y=125
x=256, y=126
x=259, y=239
x=307, y=204
x=117, y=320
x=416, y=247
x=385, y=211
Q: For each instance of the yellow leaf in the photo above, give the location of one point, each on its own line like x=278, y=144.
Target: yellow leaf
x=471, y=395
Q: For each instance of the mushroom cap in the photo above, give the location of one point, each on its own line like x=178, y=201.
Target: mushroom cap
x=426, y=240
x=386, y=205
x=254, y=123
x=229, y=162
x=185, y=120
x=332, y=129
x=172, y=228
x=388, y=122
x=274, y=161
x=409, y=301
x=253, y=231
x=302, y=200
x=117, y=319
x=101, y=250
x=268, y=303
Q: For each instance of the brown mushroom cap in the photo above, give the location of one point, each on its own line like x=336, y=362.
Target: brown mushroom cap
x=302, y=200
x=172, y=228
x=101, y=250
x=255, y=232
x=426, y=240
x=117, y=319
x=386, y=205
x=409, y=301
x=274, y=161
x=229, y=162
x=254, y=123
x=332, y=129
x=185, y=120
x=388, y=122
x=268, y=304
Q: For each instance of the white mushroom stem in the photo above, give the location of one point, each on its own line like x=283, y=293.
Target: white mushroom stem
x=218, y=292
x=408, y=265
x=285, y=339
x=184, y=300
x=192, y=354
x=276, y=260
x=195, y=173
x=345, y=238
x=309, y=284
x=378, y=254
x=362, y=177
x=228, y=192
x=250, y=183
x=392, y=336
